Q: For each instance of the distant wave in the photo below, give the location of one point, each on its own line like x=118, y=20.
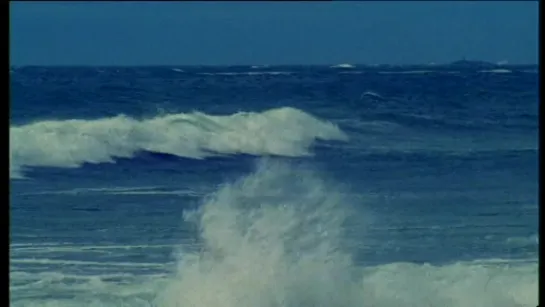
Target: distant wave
x=497, y=71
x=407, y=72
x=372, y=95
x=118, y=191
x=70, y=143
x=524, y=241
x=343, y=66
x=246, y=73
x=351, y=72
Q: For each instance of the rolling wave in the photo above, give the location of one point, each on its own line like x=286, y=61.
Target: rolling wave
x=70, y=143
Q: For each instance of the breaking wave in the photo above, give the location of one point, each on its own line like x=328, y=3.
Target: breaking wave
x=70, y=143
x=279, y=237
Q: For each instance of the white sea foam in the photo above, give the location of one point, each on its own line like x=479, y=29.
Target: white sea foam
x=70, y=143
x=394, y=285
x=278, y=238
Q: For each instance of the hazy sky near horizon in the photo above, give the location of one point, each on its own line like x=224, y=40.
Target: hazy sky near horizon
x=244, y=33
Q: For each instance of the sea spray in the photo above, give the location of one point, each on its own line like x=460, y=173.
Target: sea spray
x=280, y=237
x=274, y=238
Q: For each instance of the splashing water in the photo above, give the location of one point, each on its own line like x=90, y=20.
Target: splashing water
x=274, y=238
x=278, y=238
x=282, y=237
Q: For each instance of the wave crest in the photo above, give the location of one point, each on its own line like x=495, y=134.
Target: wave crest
x=70, y=143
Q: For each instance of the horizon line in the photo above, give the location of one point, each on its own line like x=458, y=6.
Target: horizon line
x=340, y=66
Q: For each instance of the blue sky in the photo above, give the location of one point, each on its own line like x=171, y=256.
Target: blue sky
x=240, y=33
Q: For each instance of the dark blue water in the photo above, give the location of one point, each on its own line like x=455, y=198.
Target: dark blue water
x=273, y=186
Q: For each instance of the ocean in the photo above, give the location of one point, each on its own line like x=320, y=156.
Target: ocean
x=274, y=186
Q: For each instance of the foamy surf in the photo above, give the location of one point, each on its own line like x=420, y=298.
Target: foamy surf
x=277, y=238
x=70, y=143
